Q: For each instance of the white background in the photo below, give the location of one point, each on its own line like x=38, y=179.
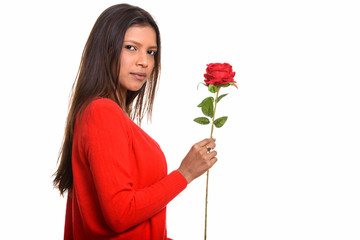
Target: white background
x=288, y=156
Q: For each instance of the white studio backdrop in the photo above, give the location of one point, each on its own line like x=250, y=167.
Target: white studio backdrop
x=288, y=156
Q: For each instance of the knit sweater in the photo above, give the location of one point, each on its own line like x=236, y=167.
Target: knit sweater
x=120, y=181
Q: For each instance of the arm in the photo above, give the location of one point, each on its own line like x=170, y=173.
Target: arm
x=106, y=143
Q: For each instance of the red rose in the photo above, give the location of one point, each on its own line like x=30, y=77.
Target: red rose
x=219, y=73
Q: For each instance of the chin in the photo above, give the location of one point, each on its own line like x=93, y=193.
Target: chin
x=136, y=88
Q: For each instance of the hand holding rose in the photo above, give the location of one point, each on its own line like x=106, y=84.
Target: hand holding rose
x=198, y=160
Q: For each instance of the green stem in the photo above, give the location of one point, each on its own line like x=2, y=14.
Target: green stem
x=207, y=173
x=213, y=119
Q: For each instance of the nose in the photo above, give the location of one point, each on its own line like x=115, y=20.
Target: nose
x=142, y=60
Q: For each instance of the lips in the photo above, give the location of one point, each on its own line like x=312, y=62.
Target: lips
x=139, y=75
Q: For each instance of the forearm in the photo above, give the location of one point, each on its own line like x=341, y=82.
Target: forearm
x=126, y=209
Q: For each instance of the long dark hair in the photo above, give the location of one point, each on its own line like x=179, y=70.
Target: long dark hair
x=98, y=77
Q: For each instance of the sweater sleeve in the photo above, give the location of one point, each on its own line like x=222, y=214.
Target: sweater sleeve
x=106, y=143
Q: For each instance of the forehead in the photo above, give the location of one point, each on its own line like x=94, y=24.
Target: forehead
x=143, y=34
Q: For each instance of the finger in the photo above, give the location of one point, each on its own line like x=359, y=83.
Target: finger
x=208, y=147
x=205, y=150
x=211, y=145
x=213, y=161
x=211, y=155
x=206, y=141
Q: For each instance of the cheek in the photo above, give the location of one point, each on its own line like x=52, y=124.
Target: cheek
x=152, y=64
x=125, y=59
x=125, y=63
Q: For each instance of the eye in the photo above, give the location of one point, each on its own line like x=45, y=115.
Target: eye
x=151, y=52
x=130, y=47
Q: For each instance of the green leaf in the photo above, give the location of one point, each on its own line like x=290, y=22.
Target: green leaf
x=202, y=120
x=207, y=106
x=206, y=100
x=220, y=122
x=221, y=96
x=212, y=88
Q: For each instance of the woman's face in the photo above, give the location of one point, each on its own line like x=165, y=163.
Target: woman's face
x=137, y=57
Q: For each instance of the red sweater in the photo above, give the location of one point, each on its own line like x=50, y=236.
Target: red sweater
x=120, y=181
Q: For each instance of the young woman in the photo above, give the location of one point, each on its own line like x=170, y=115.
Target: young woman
x=115, y=174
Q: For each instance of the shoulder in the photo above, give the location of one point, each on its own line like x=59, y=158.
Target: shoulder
x=103, y=105
x=103, y=110
x=102, y=122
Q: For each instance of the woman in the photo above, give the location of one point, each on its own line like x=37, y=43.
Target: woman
x=115, y=174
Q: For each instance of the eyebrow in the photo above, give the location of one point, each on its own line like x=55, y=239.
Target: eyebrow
x=137, y=43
